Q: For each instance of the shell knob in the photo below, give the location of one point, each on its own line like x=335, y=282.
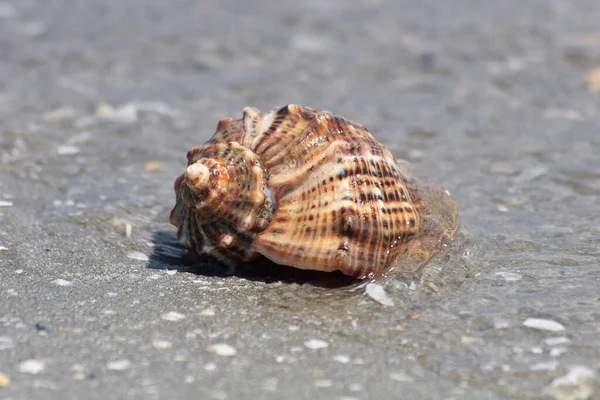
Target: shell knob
x=208, y=180
x=196, y=177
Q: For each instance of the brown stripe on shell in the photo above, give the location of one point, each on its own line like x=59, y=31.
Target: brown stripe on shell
x=327, y=147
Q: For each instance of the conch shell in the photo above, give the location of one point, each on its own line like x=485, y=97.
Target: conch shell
x=308, y=189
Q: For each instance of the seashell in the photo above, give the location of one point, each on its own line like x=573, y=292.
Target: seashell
x=308, y=189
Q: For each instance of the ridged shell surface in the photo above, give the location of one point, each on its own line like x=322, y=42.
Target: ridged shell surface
x=308, y=189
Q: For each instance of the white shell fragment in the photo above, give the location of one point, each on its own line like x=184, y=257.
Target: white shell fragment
x=62, y=282
x=161, y=344
x=173, y=316
x=67, y=150
x=125, y=114
x=32, y=367
x=555, y=341
x=6, y=203
x=557, y=351
x=128, y=230
x=543, y=324
x=119, y=365
x=222, y=349
x=377, y=293
x=316, y=344
x=137, y=255
x=342, y=359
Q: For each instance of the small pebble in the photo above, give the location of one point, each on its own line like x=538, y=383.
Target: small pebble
x=285, y=359
x=342, y=359
x=209, y=312
x=67, y=150
x=210, y=367
x=78, y=376
x=172, y=316
x=4, y=380
x=580, y=383
x=400, y=377
x=537, y=350
x=152, y=165
x=137, y=255
x=31, y=367
x=119, y=365
x=509, y=276
x=544, y=366
x=2, y=248
x=62, y=282
x=554, y=341
x=468, y=340
x=323, y=383
x=316, y=344
x=162, y=344
x=125, y=114
x=128, y=230
x=502, y=208
x=557, y=351
x=222, y=349
x=432, y=286
x=6, y=203
x=543, y=324
x=377, y=293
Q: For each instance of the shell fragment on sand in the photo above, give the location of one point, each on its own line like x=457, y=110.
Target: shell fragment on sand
x=543, y=324
x=377, y=293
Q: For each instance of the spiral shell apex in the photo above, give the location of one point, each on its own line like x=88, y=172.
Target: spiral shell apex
x=308, y=189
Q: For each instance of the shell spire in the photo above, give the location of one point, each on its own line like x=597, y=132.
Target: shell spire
x=308, y=189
